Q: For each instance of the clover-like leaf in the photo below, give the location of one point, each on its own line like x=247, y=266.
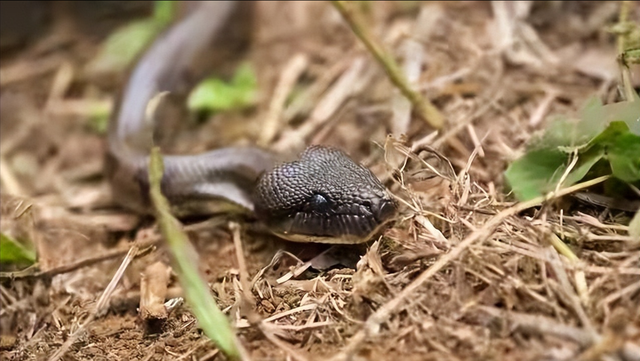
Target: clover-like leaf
x=609, y=133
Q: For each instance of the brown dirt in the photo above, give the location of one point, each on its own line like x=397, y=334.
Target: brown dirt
x=507, y=295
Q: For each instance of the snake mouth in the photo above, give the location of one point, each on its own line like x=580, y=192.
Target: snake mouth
x=334, y=228
x=324, y=222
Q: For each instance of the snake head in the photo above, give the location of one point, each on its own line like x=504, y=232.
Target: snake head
x=323, y=197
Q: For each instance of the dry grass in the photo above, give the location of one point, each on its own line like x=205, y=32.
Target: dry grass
x=465, y=273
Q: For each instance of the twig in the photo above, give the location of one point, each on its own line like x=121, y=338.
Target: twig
x=32, y=273
x=307, y=307
x=562, y=248
x=630, y=289
x=566, y=291
x=61, y=82
x=24, y=70
x=9, y=181
x=630, y=93
x=541, y=325
x=242, y=264
x=579, y=277
x=423, y=106
x=326, y=107
x=292, y=71
x=292, y=352
x=623, y=15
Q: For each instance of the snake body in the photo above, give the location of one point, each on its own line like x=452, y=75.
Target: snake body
x=323, y=197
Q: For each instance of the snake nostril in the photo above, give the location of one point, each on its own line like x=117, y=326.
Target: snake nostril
x=384, y=209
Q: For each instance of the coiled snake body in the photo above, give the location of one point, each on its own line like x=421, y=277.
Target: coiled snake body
x=322, y=197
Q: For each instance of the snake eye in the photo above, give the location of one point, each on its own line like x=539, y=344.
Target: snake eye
x=319, y=203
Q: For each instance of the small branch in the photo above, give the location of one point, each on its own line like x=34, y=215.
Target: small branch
x=33, y=273
x=622, y=40
x=540, y=325
x=579, y=277
x=623, y=16
x=290, y=74
x=423, y=106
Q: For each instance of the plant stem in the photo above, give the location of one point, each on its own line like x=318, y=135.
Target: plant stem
x=423, y=106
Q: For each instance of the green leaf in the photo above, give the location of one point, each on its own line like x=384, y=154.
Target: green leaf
x=99, y=118
x=570, y=134
x=184, y=260
x=622, y=149
x=212, y=95
x=627, y=112
x=215, y=95
x=123, y=46
x=531, y=175
x=245, y=77
x=12, y=251
x=164, y=11
x=538, y=172
x=609, y=133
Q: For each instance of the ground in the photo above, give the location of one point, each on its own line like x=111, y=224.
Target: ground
x=460, y=275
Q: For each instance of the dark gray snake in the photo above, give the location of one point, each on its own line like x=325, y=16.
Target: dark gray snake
x=322, y=197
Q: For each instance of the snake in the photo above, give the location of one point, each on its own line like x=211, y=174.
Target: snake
x=323, y=197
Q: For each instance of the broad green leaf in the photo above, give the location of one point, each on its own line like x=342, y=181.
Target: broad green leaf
x=627, y=112
x=586, y=161
x=164, y=11
x=622, y=149
x=245, y=77
x=214, y=94
x=538, y=172
x=571, y=134
x=124, y=45
x=610, y=133
x=12, y=251
x=562, y=133
x=532, y=174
